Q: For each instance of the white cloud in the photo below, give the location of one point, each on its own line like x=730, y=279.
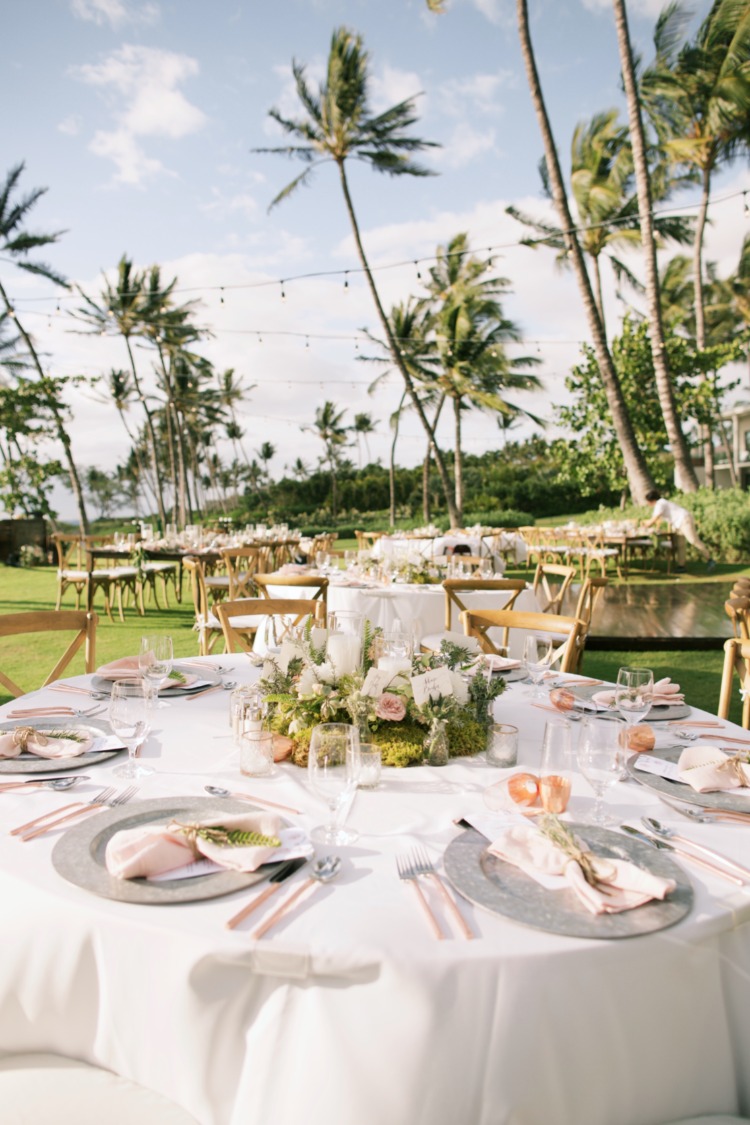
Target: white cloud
x=116, y=13
x=477, y=93
x=392, y=86
x=647, y=8
x=221, y=206
x=145, y=82
x=464, y=144
x=70, y=126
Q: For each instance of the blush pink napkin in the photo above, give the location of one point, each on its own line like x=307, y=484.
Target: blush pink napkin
x=153, y=849
x=40, y=743
x=628, y=886
x=665, y=693
x=705, y=768
x=127, y=669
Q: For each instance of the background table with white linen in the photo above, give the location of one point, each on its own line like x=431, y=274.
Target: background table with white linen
x=350, y=1011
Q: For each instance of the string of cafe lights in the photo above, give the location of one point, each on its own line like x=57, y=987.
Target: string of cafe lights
x=282, y=283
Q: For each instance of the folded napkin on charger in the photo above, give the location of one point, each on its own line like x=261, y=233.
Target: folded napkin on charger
x=665, y=693
x=705, y=768
x=624, y=886
x=127, y=669
x=152, y=849
x=497, y=663
x=44, y=744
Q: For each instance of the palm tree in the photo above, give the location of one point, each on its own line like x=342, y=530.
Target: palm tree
x=685, y=477
x=471, y=332
x=363, y=425
x=267, y=452
x=231, y=395
x=639, y=477
x=15, y=245
x=698, y=97
x=602, y=185
x=338, y=125
x=330, y=428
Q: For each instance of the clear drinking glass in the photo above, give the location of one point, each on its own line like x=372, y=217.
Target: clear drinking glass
x=634, y=694
x=129, y=710
x=555, y=774
x=155, y=664
x=537, y=653
x=600, y=761
x=333, y=773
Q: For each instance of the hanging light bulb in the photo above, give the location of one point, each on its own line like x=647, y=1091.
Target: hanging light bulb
x=283, y=294
x=746, y=207
x=346, y=280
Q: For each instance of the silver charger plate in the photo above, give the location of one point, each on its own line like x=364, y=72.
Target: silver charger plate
x=499, y=887
x=78, y=856
x=655, y=715
x=204, y=677
x=680, y=791
x=33, y=764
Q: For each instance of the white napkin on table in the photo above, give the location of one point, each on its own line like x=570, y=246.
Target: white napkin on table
x=665, y=694
x=40, y=743
x=706, y=769
x=626, y=886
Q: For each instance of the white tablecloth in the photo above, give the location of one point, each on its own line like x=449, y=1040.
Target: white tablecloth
x=485, y=545
x=350, y=1013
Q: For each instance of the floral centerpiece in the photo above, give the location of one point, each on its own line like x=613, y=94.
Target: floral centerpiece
x=443, y=696
x=421, y=573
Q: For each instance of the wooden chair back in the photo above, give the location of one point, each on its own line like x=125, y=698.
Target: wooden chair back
x=455, y=587
x=311, y=582
x=736, y=659
x=588, y=598
x=208, y=633
x=242, y=564
x=552, y=581
x=477, y=623
x=293, y=610
x=738, y=611
x=49, y=621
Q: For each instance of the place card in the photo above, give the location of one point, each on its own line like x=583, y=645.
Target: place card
x=376, y=682
x=659, y=766
x=433, y=684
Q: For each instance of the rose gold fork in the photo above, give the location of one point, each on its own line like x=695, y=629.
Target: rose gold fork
x=98, y=799
x=120, y=799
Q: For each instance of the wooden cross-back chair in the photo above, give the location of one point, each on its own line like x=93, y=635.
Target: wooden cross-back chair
x=501, y=594
x=206, y=622
x=316, y=584
x=243, y=564
x=291, y=612
x=738, y=611
x=77, y=568
x=736, y=659
x=588, y=599
x=80, y=622
x=552, y=582
x=477, y=623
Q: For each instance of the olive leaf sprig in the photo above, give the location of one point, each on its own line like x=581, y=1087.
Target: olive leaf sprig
x=226, y=837
x=561, y=836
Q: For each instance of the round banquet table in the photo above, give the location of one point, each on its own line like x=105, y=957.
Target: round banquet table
x=349, y=1012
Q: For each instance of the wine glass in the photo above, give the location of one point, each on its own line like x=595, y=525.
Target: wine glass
x=537, y=652
x=600, y=762
x=555, y=772
x=129, y=709
x=155, y=664
x=333, y=774
x=634, y=694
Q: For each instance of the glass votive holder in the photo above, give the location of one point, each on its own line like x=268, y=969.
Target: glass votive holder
x=502, y=745
x=256, y=753
x=370, y=764
x=556, y=772
x=245, y=705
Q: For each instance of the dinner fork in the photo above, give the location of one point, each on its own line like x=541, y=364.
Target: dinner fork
x=111, y=802
x=407, y=872
x=423, y=865
x=100, y=798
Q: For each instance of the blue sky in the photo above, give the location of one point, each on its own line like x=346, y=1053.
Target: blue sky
x=139, y=116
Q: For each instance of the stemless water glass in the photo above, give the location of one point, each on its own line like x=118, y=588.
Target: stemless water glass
x=155, y=664
x=555, y=774
x=634, y=694
x=537, y=651
x=600, y=761
x=129, y=709
x=333, y=774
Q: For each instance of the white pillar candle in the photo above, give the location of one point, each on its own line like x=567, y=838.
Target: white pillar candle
x=396, y=665
x=343, y=653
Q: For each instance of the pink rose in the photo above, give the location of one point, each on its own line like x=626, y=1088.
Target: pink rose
x=390, y=707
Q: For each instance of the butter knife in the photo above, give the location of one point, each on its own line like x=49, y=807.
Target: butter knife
x=275, y=880
x=662, y=845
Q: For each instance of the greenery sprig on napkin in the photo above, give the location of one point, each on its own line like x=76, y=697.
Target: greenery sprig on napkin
x=561, y=836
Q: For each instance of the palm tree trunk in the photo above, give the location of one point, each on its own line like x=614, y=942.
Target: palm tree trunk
x=685, y=477
x=151, y=434
x=638, y=475
x=395, y=350
x=62, y=433
x=458, y=471
x=598, y=293
x=392, y=463
x=700, y=315
x=426, y=466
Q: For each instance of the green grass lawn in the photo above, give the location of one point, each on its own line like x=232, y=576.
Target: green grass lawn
x=29, y=660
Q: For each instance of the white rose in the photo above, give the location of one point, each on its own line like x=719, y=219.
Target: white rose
x=325, y=673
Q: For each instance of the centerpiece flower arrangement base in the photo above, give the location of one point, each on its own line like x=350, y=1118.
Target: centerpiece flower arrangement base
x=447, y=693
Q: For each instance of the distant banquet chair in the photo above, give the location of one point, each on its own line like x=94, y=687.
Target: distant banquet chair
x=498, y=593
x=241, y=620
x=477, y=624
x=82, y=624
x=551, y=583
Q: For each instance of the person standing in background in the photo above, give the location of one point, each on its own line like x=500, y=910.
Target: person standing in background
x=682, y=524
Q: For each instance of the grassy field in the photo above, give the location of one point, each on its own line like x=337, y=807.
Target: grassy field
x=28, y=660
